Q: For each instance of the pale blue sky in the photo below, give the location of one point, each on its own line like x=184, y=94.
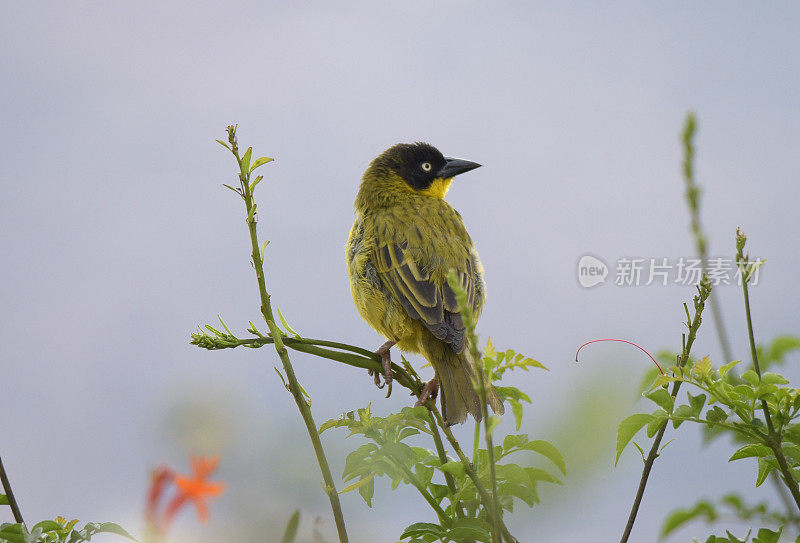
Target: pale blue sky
x=118, y=239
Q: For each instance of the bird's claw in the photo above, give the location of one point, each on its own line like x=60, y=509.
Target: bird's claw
x=377, y=378
x=430, y=390
x=386, y=363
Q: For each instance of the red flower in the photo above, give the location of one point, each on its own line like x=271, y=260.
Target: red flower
x=195, y=489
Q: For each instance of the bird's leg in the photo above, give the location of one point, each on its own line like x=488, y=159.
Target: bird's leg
x=386, y=362
x=430, y=390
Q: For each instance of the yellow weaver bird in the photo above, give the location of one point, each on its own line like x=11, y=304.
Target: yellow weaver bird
x=403, y=243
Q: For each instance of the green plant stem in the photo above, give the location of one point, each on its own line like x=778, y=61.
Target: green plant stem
x=476, y=442
x=357, y=356
x=468, y=468
x=266, y=312
x=730, y=427
x=12, y=502
x=487, y=434
x=704, y=291
x=701, y=240
x=480, y=386
x=773, y=438
x=448, y=477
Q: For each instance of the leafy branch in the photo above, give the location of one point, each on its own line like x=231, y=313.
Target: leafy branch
x=9, y=495
x=358, y=357
x=245, y=191
x=773, y=438
x=657, y=423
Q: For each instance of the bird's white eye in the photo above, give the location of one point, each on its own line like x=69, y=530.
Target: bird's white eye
x=427, y=166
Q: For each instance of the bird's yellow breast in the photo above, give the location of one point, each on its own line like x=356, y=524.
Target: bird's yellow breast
x=438, y=188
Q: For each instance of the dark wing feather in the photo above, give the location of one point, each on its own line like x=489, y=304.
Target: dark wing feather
x=433, y=305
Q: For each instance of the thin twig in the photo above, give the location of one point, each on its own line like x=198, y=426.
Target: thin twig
x=266, y=311
x=773, y=438
x=357, y=357
x=704, y=290
x=469, y=469
x=448, y=477
x=701, y=240
x=480, y=387
x=10, y=494
x=487, y=435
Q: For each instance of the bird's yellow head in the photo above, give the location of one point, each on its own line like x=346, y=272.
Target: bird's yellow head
x=412, y=168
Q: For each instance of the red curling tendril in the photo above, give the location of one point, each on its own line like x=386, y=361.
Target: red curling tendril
x=621, y=341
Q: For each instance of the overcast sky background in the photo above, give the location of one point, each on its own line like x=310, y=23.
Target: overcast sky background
x=118, y=238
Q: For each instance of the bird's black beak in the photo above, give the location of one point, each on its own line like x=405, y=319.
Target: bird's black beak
x=455, y=166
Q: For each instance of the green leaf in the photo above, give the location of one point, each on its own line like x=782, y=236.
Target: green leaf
x=516, y=407
x=47, y=526
x=768, y=536
x=659, y=419
x=246, y=161
x=424, y=473
x=764, y=467
x=112, y=528
x=407, y=432
x=770, y=378
x=468, y=534
x=536, y=474
x=749, y=451
x=260, y=162
x=679, y=517
x=263, y=246
x=470, y=529
x=751, y=377
x=641, y=452
x=549, y=451
x=454, y=467
x=716, y=414
x=726, y=368
x=367, y=491
x=355, y=462
x=290, y=533
x=13, y=533
x=751, y=269
x=662, y=398
x=420, y=529
x=225, y=145
x=233, y=189
x=357, y=484
x=681, y=413
x=628, y=428
x=3, y=499
x=12, y=538
x=662, y=380
x=286, y=324
x=697, y=403
x=792, y=452
x=255, y=183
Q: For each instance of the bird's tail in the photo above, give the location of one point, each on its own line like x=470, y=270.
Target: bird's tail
x=457, y=373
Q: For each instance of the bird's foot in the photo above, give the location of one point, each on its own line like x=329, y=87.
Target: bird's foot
x=430, y=390
x=386, y=362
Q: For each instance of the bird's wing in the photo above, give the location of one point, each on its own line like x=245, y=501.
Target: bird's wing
x=424, y=299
